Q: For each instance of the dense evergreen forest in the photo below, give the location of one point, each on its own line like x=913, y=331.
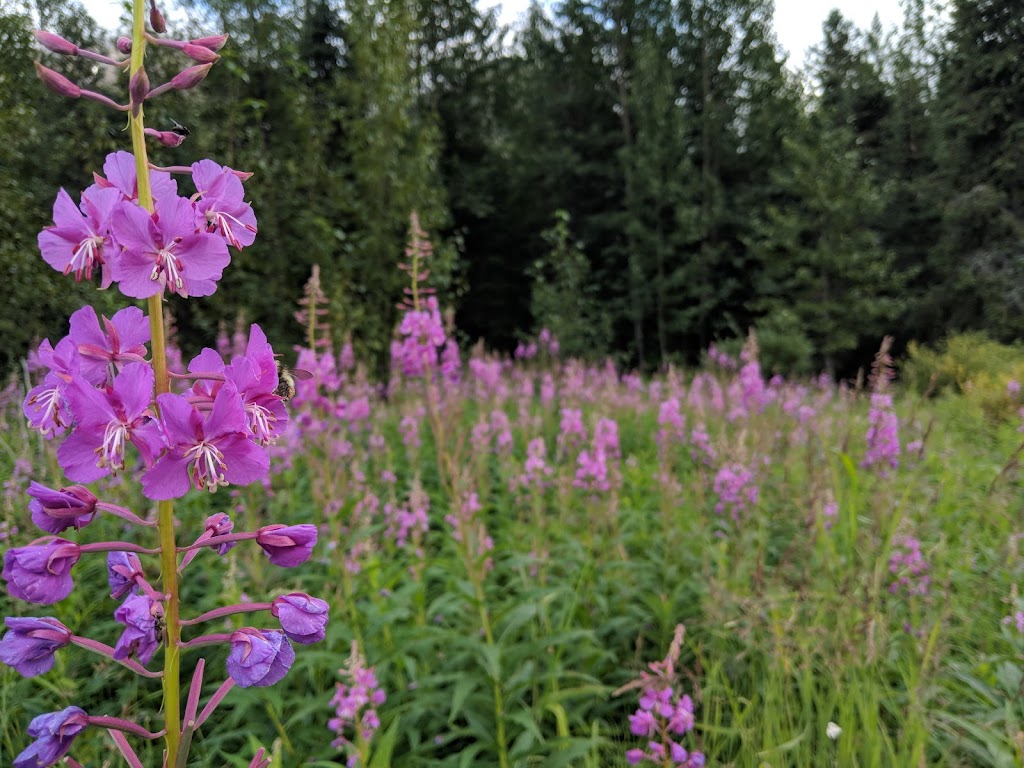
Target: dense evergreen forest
x=644, y=177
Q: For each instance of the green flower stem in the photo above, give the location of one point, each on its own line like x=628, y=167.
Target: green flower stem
x=165, y=509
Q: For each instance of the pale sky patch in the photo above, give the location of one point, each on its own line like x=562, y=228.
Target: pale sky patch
x=797, y=22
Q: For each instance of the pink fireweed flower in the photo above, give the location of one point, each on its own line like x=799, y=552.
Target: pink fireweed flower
x=106, y=422
x=120, y=341
x=220, y=208
x=736, y=489
x=163, y=250
x=46, y=405
x=883, y=441
x=79, y=240
x=909, y=567
x=571, y=432
x=41, y=573
x=355, y=702
x=671, y=423
x=205, y=451
x=1016, y=620
x=259, y=657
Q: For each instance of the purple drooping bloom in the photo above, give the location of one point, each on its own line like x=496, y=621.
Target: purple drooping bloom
x=140, y=638
x=287, y=545
x=736, y=488
x=30, y=644
x=53, y=734
x=909, y=567
x=221, y=208
x=220, y=524
x=123, y=568
x=121, y=340
x=79, y=240
x=163, y=250
x=259, y=657
x=56, y=511
x=216, y=448
x=303, y=618
x=41, y=573
x=106, y=421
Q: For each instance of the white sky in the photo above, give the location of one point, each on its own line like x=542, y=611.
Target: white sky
x=797, y=22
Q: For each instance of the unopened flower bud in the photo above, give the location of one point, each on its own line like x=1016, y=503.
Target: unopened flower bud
x=55, y=43
x=124, y=45
x=156, y=20
x=213, y=42
x=57, y=83
x=191, y=77
x=167, y=138
x=138, y=90
x=199, y=53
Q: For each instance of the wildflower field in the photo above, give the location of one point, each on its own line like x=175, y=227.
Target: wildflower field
x=508, y=544
x=473, y=560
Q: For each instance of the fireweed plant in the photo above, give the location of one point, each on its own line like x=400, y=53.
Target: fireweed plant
x=111, y=404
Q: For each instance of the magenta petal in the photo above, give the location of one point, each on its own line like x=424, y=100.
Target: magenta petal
x=246, y=461
x=167, y=479
x=78, y=458
x=207, y=361
x=85, y=328
x=132, y=228
x=228, y=415
x=98, y=203
x=133, y=272
x=134, y=386
x=181, y=422
x=133, y=327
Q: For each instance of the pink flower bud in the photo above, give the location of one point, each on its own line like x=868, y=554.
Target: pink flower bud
x=191, y=77
x=167, y=138
x=124, y=45
x=156, y=20
x=55, y=43
x=138, y=90
x=57, y=83
x=199, y=53
x=213, y=42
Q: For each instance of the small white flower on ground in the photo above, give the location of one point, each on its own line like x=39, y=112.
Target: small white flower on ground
x=832, y=731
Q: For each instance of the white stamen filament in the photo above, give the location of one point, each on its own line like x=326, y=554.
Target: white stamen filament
x=112, y=450
x=85, y=255
x=208, y=468
x=49, y=402
x=223, y=221
x=260, y=423
x=170, y=265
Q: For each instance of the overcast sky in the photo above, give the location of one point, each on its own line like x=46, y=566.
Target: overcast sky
x=797, y=22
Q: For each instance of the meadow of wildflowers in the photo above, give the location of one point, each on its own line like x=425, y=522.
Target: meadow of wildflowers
x=482, y=560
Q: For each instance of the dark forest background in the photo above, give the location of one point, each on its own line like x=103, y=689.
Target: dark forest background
x=644, y=177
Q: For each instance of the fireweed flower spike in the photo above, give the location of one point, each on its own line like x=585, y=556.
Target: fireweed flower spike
x=133, y=228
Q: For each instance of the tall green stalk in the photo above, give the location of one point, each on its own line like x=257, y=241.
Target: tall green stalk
x=168, y=551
